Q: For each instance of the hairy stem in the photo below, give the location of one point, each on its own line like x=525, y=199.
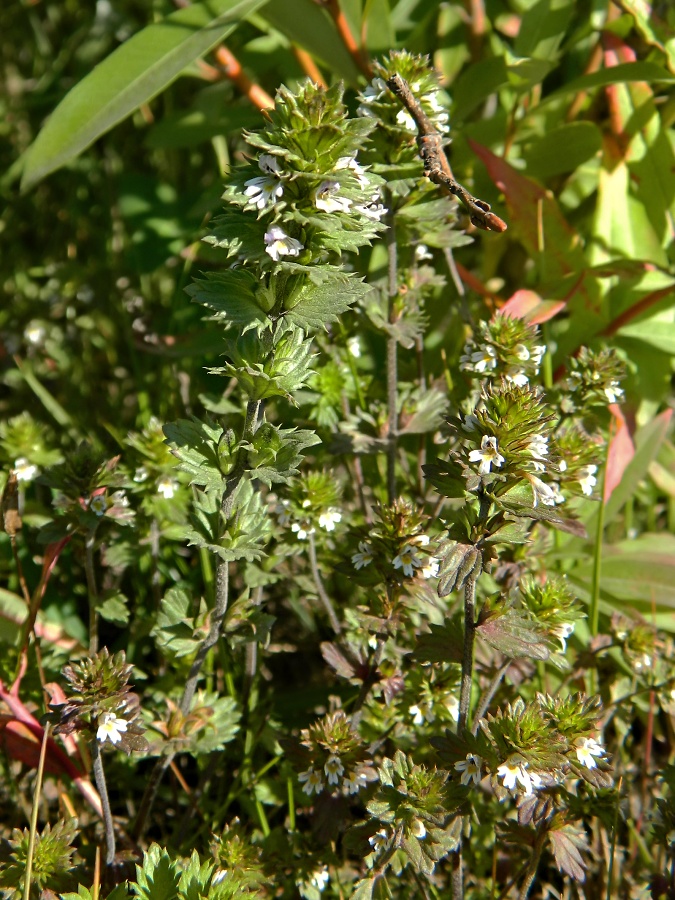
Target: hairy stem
x=102, y=788
x=533, y=865
x=486, y=699
x=93, y=593
x=467, y=656
x=392, y=363
x=320, y=589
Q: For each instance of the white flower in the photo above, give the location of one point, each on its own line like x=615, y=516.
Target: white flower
x=98, y=505
x=587, y=478
x=373, y=92
x=328, y=519
x=373, y=211
x=452, y=706
x=479, y=360
x=418, y=829
x=140, y=474
x=471, y=768
x=408, y=560
x=263, y=191
x=348, y=162
x=166, y=487
x=110, y=728
x=422, y=252
x=562, y=632
x=544, y=492
x=320, y=878
x=333, y=769
x=269, y=164
x=488, y=454
x=24, y=470
x=379, y=839
x=325, y=199
x=613, y=391
x=354, y=347
x=405, y=120
x=280, y=244
x=516, y=376
x=430, y=570
x=353, y=783
x=587, y=749
x=511, y=774
x=313, y=781
x=562, y=466
x=421, y=715
x=537, y=355
x=521, y=352
x=302, y=531
x=538, y=446
x=363, y=558
x=470, y=423
x=35, y=333
x=421, y=539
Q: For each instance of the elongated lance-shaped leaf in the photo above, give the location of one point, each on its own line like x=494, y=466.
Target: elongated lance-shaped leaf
x=133, y=74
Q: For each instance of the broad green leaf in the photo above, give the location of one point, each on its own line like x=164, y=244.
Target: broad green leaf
x=304, y=23
x=658, y=331
x=543, y=27
x=475, y=84
x=640, y=572
x=562, y=150
x=133, y=74
x=635, y=71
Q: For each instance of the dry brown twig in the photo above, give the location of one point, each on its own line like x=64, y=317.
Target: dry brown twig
x=436, y=165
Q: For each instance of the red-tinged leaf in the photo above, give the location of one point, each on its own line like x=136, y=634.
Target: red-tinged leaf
x=620, y=451
x=566, y=843
x=22, y=714
x=537, y=219
x=337, y=660
x=528, y=305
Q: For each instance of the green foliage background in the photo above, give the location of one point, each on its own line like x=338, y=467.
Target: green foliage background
x=561, y=117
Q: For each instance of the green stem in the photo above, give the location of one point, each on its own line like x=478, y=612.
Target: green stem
x=467, y=656
x=99, y=778
x=32, y=835
x=320, y=589
x=392, y=363
x=92, y=591
x=594, y=615
x=533, y=865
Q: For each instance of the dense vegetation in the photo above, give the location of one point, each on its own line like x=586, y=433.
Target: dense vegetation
x=338, y=476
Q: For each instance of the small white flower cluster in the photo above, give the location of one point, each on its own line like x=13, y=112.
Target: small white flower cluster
x=328, y=519
x=471, y=768
x=484, y=359
x=425, y=710
x=334, y=772
x=377, y=89
x=372, y=208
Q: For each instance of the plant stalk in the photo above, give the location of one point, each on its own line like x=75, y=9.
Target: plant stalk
x=32, y=835
x=533, y=865
x=392, y=362
x=92, y=590
x=102, y=788
x=320, y=589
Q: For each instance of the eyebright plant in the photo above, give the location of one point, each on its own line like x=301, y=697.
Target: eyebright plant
x=350, y=502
